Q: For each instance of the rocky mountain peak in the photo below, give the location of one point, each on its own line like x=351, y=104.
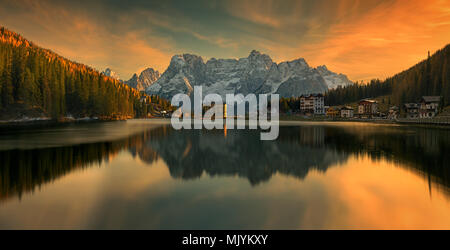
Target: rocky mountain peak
x=300, y=62
x=257, y=59
x=322, y=68
x=110, y=73
x=149, y=75
x=256, y=74
x=254, y=53
x=179, y=61
x=146, y=78
x=332, y=79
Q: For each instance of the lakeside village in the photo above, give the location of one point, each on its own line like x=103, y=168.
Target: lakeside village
x=312, y=106
x=427, y=110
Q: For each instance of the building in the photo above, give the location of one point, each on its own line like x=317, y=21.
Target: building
x=411, y=110
x=429, y=106
x=393, y=112
x=367, y=108
x=332, y=112
x=347, y=112
x=312, y=104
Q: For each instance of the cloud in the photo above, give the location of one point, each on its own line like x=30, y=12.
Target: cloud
x=82, y=37
x=385, y=40
x=363, y=39
x=184, y=25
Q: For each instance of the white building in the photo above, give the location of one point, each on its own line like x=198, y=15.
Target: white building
x=312, y=104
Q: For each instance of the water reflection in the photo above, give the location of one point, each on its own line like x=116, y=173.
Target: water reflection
x=191, y=154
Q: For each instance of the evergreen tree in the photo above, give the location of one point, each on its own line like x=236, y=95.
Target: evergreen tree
x=429, y=77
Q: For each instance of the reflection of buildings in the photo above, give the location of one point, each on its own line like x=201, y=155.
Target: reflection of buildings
x=312, y=136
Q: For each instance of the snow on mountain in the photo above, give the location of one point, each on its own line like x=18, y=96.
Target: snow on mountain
x=332, y=79
x=144, y=80
x=110, y=73
x=256, y=74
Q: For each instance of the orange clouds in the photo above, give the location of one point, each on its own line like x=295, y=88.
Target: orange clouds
x=361, y=38
x=80, y=36
x=364, y=39
x=386, y=40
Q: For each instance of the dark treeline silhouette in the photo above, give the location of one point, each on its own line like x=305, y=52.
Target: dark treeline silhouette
x=22, y=171
x=33, y=78
x=429, y=77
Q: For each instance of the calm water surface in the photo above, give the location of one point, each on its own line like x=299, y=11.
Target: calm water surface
x=144, y=175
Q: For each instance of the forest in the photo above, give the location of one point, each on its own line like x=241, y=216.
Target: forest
x=33, y=78
x=429, y=77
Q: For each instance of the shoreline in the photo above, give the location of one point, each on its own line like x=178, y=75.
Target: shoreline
x=43, y=122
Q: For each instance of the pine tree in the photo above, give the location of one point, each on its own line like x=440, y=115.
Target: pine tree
x=7, y=82
x=40, y=78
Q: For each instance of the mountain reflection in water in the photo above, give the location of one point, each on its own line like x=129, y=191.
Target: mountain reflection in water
x=189, y=154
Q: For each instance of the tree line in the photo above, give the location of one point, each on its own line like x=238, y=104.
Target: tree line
x=429, y=77
x=33, y=77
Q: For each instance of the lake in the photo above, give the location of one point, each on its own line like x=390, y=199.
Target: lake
x=142, y=174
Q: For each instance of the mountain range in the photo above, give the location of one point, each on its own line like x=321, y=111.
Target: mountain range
x=256, y=74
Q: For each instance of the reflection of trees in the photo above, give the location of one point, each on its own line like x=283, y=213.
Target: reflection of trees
x=22, y=171
x=425, y=151
x=188, y=154
x=191, y=153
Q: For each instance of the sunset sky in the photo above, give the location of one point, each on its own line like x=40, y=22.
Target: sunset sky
x=361, y=38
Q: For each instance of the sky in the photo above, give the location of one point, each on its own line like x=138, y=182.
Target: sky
x=363, y=39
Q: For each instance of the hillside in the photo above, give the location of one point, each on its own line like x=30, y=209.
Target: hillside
x=36, y=82
x=429, y=77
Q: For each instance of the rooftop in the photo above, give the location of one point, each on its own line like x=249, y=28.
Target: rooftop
x=312, y=95
x=411, y=105
x=431, y=98
x=368, y=100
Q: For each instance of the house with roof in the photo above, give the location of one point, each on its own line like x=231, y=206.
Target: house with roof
x=411, y=110
x=367, y=108
x=347, y=112
x=393, y=113
x=429, y=106
x=333, y=112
